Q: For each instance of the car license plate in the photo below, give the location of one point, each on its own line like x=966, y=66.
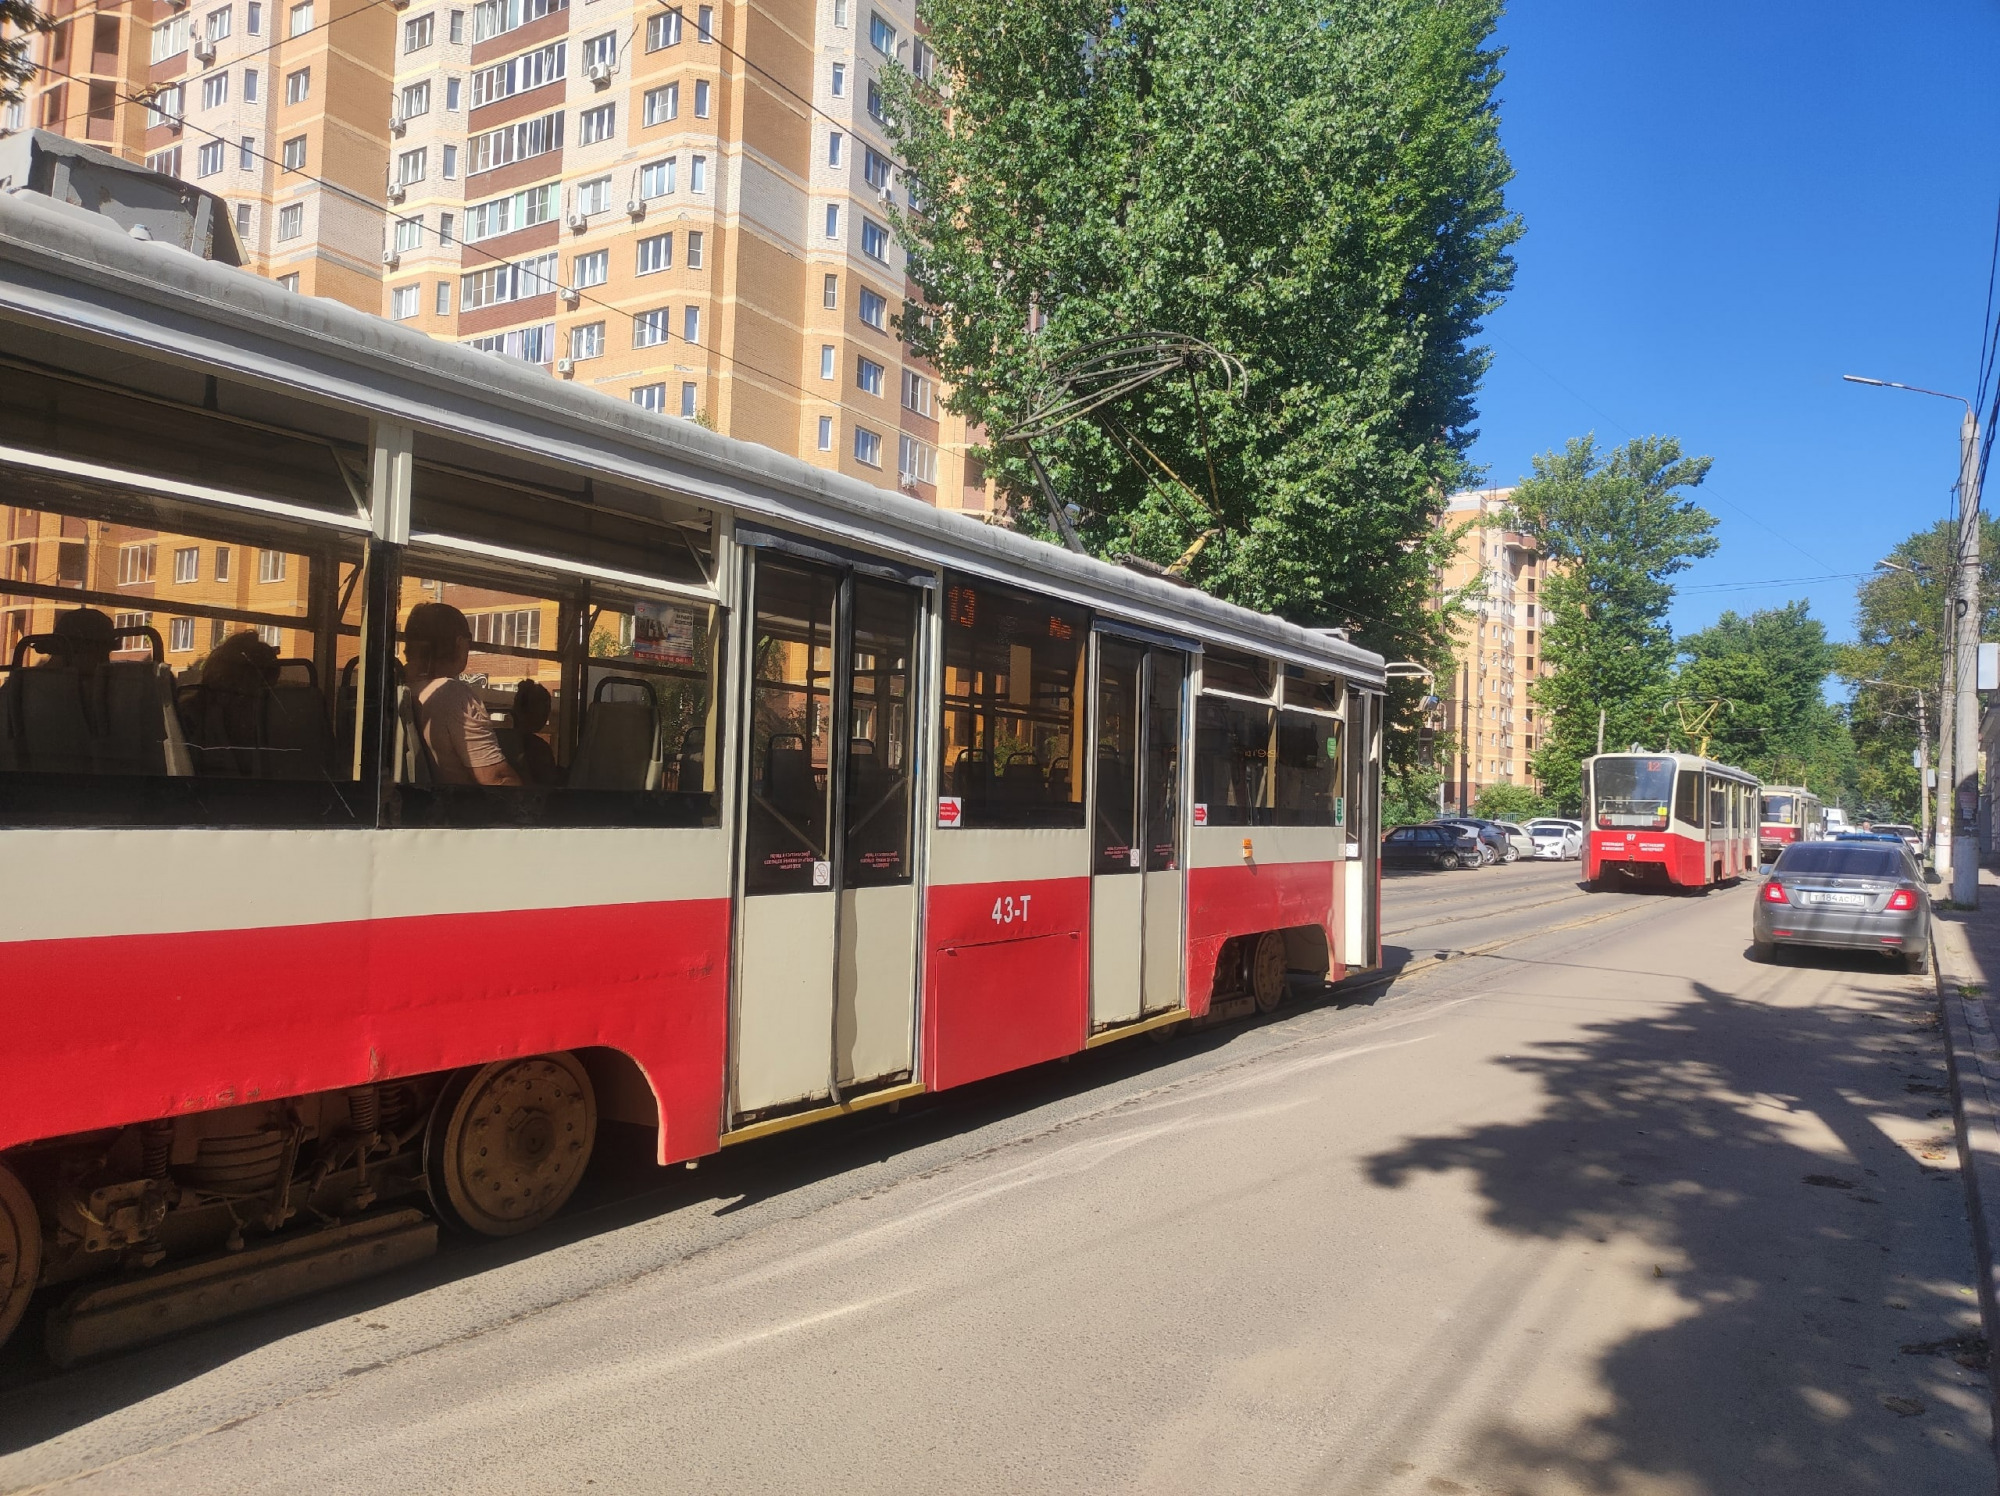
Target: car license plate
x=1845, y=899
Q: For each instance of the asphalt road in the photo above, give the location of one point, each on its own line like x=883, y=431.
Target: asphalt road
x=1590, y=1204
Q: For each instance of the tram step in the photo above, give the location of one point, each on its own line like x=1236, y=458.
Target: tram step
x=118, y=1316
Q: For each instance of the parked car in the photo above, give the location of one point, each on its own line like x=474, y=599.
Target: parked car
x=1852, y=893
x=1491, y=837
x=1555, y=839
x=1430, y=846
x=1912, y=838
x=1836, y=820
x=1519, y=843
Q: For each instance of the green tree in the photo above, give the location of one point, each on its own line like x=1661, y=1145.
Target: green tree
x=1615, y=526
x=1899, y=643
x=1768, y=672
x=1510, y=802
x=1410, y=795
x=1313, y=186
x=19, y=21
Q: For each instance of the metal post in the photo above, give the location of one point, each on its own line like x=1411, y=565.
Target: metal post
x=1923, y=766
x=1965, y=633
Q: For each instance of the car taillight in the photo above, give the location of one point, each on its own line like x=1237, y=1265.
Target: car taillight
x=1902, y=898
x=1774, y=893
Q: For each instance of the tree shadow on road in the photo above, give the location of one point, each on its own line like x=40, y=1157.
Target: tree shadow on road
x=1737, y=1142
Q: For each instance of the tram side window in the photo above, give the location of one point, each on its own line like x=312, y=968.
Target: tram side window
x=1687, y=798
x=1308, y=771
x=1234, y=752
x=1013, y=706
x=525, y=702
x=1718, y=804
x=144, y=682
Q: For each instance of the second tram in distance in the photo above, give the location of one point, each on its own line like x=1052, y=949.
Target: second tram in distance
x=1791, y=813
x=1668, y=818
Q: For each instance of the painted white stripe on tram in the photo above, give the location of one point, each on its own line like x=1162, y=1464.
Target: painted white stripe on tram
x=62, y=884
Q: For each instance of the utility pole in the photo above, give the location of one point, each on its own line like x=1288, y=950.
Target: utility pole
x=1600, y=729
x=1923, y=766
x=1965, y=740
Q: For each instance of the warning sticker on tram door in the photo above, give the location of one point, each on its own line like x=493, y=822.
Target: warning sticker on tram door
x=1201, y=815
x=950, y=809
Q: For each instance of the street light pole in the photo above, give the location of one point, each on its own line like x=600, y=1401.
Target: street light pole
x=1958, y=848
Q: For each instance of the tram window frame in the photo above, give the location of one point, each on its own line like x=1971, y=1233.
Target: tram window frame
x=1309, y=711
x=1235, y=711
x=981, y=619
x=254, y=751
x=576, y=644
x=1688, y=797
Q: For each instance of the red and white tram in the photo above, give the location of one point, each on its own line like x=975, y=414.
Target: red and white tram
x=1788, y=813
x=808, y=797
x=1668, y=817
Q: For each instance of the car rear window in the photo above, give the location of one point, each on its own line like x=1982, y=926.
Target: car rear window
x=1831, y=860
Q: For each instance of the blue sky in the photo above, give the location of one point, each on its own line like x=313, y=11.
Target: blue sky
x=1728, y=206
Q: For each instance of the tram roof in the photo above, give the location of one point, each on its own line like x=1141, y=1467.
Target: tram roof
x=1683, y=761
x=76, y=273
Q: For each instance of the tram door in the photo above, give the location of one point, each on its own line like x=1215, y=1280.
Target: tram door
x=826, y=954
x=1138, y=879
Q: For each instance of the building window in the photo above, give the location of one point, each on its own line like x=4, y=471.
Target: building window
x=450, y=162
x=840, y=80
x=663, y=104
x=875, y=102
x=840, y=13
x=656, y=178
x=826, y=433
x=409, y=234
x=867, y=447
x=187, y=564
x=656, y=254
x=503, y=215
x=215, y=91
x=593, y=125
x=249, y=85
x=298, y=86
x=246, y=153
x=594, y=196
x=270, y=566
x=694, y=249
x=874, y=310
x=649, y=330
x=291, y=223
x=417, y=99
x=698, y=174
x=136, y=563
x=691, y=326
x=293, y=154
x=167, y=107
x=180, y=635
x=531, y=345
x=411, y=165
x=651, y=397
x=704, y=23
x=833, y=144
x=405, y=302
x=447, y=223
x=170, y=38
x=299, y=19
x=688, y=399
x=287, y=282
x=827, y=361
x=222, y=563
x=242, y=220
x=587, y=341
x=833, y=220
x=591, y=269
x=516, y=75
x=874, y=240
x=601, y=51
x=208, y=160
x=916, y=392
x=253, y=17
x=419, y=32
x=510, y=282
x=868, y=376
x=701, y=98
x=491, y=18
x=881, y=36
x=124, y=622
x=442, y=302
x=451, y=94
x=916, y=462
x=458, y=28
x=663, y=30
x=829, y=293
x=875, y=169
x=515, y=142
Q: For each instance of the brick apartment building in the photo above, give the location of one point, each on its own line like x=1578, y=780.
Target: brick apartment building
x=683, y=207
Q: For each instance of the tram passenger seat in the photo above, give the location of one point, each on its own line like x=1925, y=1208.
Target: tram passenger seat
x=141, y=729
x=788, y=778
x=43, y=726
x=1022, y=782
x=620, y=745
x=298, y=741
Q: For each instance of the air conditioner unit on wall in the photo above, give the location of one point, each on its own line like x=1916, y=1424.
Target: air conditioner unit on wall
x=395, y=192
x=397, y=124
x=565, y=366
x=579, y=221
x=598, y=73
x=569, y=295
x=390, y=258
x=204, y=49
x=636, y=207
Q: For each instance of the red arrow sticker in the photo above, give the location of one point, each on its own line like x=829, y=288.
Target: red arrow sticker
x=949, y=810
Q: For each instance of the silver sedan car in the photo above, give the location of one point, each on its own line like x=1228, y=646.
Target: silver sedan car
x=1846, y=895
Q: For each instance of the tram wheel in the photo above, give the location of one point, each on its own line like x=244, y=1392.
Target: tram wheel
x=1267, y=971
x=508, y=1142
x=20, y=1251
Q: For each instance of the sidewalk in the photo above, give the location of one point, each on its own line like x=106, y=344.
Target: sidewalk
x=1968, y=981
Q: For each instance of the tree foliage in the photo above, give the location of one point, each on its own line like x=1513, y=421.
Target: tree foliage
x=1899, y=650
x=19, y=21
x=1510, y=802
x=1615, y=527
x=1313, y=186
x=1768, y=671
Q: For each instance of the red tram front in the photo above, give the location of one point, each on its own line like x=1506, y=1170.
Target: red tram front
x=1668, y=818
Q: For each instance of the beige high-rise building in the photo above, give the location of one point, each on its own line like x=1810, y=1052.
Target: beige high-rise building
x=1486, y=702
x=686, y=206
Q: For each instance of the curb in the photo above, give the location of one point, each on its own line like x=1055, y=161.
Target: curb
x=1972, y=1059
